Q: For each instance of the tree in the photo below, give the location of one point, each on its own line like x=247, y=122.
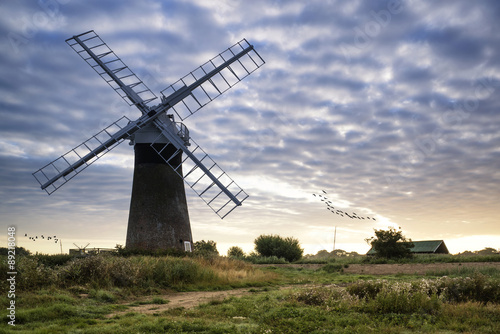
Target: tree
x=235, y=251
x=391, y=244
x=205, y=248
x=274, y=245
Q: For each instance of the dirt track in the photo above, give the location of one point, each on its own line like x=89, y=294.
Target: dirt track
x=192, y=299
x=183, y=299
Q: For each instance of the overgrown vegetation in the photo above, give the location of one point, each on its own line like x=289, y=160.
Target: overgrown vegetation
x=134, y=272
x=77, y=296
x=411, y=296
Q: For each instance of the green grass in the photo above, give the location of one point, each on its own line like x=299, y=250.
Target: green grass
x=467, y=271
x=299, y=310
x=324, y=300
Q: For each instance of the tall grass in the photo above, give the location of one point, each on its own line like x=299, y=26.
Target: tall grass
x=478, y=288
x=257, y=259
x=386, y=297
x=137, y=272
x=466, y=271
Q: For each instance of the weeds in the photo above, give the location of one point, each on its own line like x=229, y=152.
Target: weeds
x=467, y=271
x=83, y=291
x=138, y=272
x=478, y=288
x=257, y=259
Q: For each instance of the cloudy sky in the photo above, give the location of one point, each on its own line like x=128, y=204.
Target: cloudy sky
x=391, y=107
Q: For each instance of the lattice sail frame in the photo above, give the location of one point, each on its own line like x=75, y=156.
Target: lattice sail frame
x=186, y=96
x=73, y=163
x=217, y=84
x=91, y=40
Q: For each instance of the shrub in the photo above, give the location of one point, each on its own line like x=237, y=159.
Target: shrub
x=205, y=248
x=274, y=245
x=235, y=251
x=332, y=268
x=31, y=274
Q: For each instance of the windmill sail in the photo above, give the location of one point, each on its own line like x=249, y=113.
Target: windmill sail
x=53, y=175
x=185, y=97
x=213, y=78
x=111, y=68
x=199, y=171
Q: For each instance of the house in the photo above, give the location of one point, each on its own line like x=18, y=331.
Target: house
x=424, y=247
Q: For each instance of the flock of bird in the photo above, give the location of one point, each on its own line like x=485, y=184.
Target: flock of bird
x=331, y=208
x=35, y=238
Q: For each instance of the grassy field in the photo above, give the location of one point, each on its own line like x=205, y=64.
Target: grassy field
x=101, y=295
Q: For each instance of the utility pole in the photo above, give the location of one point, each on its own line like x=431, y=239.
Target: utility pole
x=334, y=237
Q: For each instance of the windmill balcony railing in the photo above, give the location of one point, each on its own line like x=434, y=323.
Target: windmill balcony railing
x=183, y=132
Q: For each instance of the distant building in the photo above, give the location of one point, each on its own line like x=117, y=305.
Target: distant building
x=424, y=247
x=90, y=251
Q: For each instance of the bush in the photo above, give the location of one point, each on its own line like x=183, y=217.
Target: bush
x=332, y=268
x=31, y=274
x=235, y=251
x=205, y=248
x=274, y=245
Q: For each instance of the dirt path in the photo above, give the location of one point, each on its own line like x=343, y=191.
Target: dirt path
x=182, y=299
x=192, y=299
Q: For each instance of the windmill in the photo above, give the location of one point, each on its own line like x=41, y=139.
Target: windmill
x=81, y=249
x=165, y=154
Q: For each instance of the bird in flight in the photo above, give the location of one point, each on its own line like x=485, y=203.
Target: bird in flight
x=341, y=213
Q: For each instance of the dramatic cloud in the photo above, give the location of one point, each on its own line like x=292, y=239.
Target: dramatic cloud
x=389, y=106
